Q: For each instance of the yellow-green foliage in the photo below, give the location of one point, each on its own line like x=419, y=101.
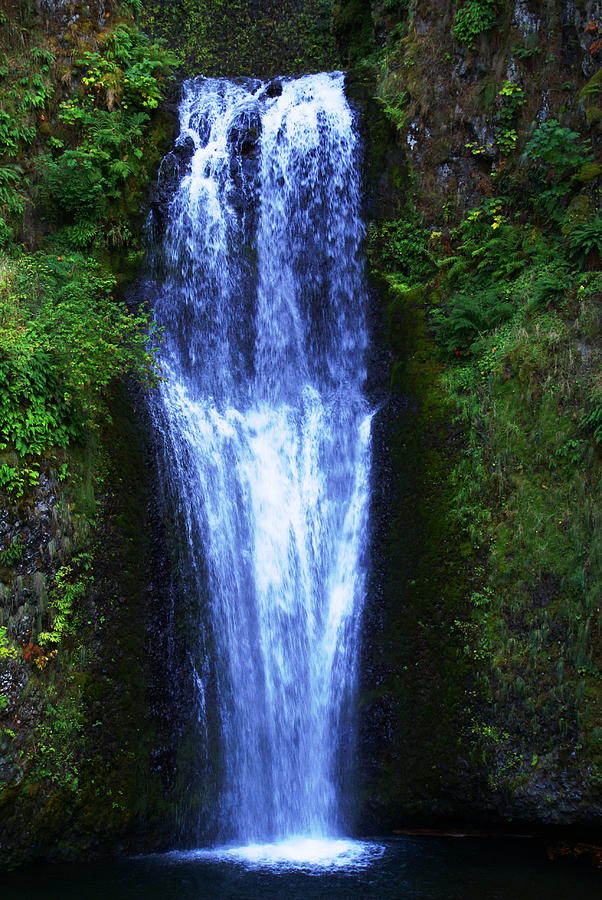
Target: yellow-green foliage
x=7, y=648
x=70, y=585
x=63, y=338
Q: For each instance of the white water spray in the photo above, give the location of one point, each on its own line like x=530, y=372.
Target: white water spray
x=268, y=435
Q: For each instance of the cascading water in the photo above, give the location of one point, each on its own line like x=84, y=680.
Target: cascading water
x=267, y=433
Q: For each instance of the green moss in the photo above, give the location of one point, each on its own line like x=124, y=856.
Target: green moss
x=425, y=581
x=245, y=38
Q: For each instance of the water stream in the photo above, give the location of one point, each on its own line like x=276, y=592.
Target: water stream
x=267, y=433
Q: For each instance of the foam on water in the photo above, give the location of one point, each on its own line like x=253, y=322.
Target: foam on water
x=304, y=853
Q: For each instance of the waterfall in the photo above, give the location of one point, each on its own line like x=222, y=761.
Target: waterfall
x=266, y=433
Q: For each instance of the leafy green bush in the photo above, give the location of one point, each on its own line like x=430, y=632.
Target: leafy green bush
x=106, y=122
x=472, y=19
x=560, y=149
x=11, y=200
x=81, y=182
x=550, y=285
x=128, y=71
x=34, y=412
x=74, y=183
x=80, y=236
x=70, y=585
x=491, y=249
x=14, y=133
x=63, y=338
x=15, y=480
x=401, y=246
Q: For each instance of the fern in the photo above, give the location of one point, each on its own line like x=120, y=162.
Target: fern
x=10, y=174
x=81, y=236
x=11, y=201
x=592, y=420
x=550, y=286
x=470, y=316
x=121, y=169
x=585, y=238
x=13, y=133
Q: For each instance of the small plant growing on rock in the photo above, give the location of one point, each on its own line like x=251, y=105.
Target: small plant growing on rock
x=560, y=149
x=7, y=648
x=472, y=19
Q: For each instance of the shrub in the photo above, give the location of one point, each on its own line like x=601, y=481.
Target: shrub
x=560, y=149
x=401, y=246
x=106, y=123
x=70, y=585
x=550, y=285
x=74, y=183
x=472, y=19
x=63, y=339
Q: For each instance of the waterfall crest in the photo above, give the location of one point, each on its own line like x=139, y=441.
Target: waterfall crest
x=267, y=432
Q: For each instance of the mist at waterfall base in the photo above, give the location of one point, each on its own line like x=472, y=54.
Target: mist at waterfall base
x=266, y=440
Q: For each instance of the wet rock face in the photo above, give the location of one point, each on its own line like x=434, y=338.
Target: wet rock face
x=39, y=533
x=451, y=91
x=245, y=163
x=171, y=171
x=273, y=89
x=67, y=12
x=75, y=717
x=244, y=138
x=183, y=153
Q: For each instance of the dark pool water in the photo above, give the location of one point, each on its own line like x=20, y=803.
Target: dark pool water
x=410, y=868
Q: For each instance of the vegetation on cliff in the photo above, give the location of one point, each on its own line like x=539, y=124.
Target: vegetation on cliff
x=487, y=249
x=499, y=246
x=80, y=138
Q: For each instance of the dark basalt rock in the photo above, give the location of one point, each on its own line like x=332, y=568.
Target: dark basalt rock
x=273, y=89
x=244, y=134
x=184, y=151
